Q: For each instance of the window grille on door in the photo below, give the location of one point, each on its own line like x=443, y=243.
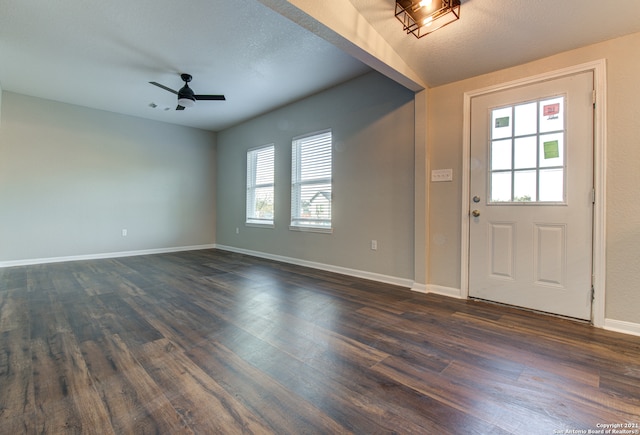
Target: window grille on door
x=527, y=152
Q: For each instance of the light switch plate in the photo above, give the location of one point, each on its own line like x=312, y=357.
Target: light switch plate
x=438, y=175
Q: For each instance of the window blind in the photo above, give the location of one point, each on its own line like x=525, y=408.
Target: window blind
x=311, y=182
x=260, y=185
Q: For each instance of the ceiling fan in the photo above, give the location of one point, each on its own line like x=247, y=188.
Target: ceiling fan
x=186, y=97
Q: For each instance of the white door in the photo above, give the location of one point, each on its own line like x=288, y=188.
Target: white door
x=531, y=196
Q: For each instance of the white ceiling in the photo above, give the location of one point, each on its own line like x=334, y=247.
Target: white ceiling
x=496, y=34
x=102, y=54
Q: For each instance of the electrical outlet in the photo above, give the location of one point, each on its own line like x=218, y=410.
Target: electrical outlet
x=374, y=245
x=237, y=230
x=124, y=232
x=439, y=175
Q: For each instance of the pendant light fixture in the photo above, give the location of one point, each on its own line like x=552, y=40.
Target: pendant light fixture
x=421, y=17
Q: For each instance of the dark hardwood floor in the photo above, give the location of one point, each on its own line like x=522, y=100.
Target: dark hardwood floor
x=211, y=342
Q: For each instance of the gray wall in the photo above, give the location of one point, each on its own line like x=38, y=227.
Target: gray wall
x=372, y=119
x=72, y=178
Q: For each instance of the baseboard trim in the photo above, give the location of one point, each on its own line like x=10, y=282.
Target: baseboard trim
x=402, y=282
x=32, y=261
x=437, y=290
x=445, y=291
x=419, y=288
x=622, y=326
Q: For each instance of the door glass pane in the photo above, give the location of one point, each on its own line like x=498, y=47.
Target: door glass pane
x=526, y=121
x=526, y=153
x=501, y=154
x=501, y=186
x=501, y=123
x=551, y=150
x=552, y=185
x=552, y=115
x=524, y=186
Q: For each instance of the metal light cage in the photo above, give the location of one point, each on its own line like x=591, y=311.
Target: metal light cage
x=422, y=20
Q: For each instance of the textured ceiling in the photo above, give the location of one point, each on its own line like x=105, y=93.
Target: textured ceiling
x=496, y=34
x=103, y=54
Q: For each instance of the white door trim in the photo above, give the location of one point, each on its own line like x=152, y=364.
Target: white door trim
x=599, y=167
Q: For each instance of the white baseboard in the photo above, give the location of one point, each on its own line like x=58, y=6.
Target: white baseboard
x=402, y=282
x=420, y=288
x=32, y=261
x=445, y=291
x=622, y=326
x=437, y=289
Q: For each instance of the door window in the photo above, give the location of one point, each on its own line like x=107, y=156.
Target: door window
x=527, y=152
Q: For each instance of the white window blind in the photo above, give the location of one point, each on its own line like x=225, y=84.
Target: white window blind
x=260, y=185
x=311, y=182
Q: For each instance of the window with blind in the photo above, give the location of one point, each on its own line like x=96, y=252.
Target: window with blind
x=311, y=182
x=260, y=185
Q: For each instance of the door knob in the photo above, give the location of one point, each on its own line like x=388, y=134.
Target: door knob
x=475, y=213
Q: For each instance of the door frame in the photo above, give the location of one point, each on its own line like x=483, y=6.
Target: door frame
x=598, y=68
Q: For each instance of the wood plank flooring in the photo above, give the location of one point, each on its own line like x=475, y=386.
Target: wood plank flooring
x=210, y=342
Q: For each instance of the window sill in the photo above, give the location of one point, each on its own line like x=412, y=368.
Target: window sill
x=311, y=229
x=259, y=225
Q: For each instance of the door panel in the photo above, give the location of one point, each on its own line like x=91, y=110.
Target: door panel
x=550, y=250
x=501, y=249
x=531, y=177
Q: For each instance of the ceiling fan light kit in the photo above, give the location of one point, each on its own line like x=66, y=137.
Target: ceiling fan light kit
x=186, y=97
x=421, y=17
x=185, y=94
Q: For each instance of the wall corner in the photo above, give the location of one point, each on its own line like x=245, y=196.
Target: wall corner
x=421, y=201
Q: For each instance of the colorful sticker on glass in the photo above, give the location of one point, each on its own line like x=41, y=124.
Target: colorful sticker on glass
x=502, y=122
x=551, y=110
x=551, y=150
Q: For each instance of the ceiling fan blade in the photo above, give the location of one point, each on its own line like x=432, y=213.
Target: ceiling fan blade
x=180, y=107
x=164, y=87
x=209, y=97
